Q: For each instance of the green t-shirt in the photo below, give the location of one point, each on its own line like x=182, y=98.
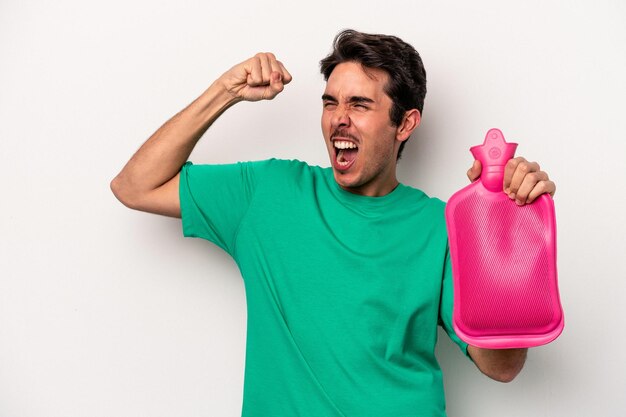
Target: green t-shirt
x=344, y=292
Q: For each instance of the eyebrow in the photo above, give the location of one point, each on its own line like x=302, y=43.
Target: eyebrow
x=352, y=99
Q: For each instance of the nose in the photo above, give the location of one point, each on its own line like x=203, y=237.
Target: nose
x=341, y=117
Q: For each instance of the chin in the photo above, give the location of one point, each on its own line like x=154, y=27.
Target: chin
x=345, y=181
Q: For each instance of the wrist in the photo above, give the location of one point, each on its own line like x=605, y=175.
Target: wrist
x=214, y=101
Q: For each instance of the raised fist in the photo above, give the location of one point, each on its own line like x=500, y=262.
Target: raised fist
x=261, y=77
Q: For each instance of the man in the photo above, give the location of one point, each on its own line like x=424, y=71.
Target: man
x=346, y=270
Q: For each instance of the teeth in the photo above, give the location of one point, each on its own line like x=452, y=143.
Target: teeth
x=344, y=144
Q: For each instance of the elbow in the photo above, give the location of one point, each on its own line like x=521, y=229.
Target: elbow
x=122, y=193
x=505, y=375
x=501, y=365
x=506, y=372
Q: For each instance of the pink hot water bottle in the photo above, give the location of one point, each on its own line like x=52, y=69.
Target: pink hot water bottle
x=503, y=259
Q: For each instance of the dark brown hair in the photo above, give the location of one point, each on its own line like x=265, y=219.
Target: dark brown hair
x=407, y=76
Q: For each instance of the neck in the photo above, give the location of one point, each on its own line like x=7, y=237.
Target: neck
x=375, y=189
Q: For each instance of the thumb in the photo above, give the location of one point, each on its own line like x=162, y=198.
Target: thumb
x=276, y=84
x=474, y=172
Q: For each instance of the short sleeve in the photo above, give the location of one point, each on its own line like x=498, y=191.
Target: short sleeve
x=447, y=303
x=214, y=200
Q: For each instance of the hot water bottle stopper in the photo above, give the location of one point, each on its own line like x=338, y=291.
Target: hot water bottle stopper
x=503, y=259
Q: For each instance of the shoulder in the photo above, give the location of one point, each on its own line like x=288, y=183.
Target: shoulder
x=423, y=201
x=282, y=175
x=275, y=164
x=426, y=211
x=280, y=169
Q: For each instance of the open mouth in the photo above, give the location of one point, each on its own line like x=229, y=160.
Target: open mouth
x=345, y=153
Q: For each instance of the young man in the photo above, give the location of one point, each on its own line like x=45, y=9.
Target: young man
x=347, y=272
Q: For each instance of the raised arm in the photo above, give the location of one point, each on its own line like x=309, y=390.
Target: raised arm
x=149, y=181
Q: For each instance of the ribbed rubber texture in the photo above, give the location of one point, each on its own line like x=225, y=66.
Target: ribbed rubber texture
x=505, y=262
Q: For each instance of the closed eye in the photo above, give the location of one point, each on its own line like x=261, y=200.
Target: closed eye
x=361, y=102
x=328, y=100
x=358, y=102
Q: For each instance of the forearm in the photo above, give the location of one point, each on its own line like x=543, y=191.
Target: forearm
x=160, y=158
x=500, y=364
x=149, y=181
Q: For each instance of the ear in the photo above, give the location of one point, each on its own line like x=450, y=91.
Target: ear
x=409, y=123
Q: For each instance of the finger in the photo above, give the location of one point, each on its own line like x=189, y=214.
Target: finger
x=509, y=170
x=474, y=172
x=276, y=77
x=255, y=73
x=273, y=63
x=275, y=87
x=278, y=66
x=266, y=67
x=521, y=168
x=542, y=187
x=529, y=183
x=286, y=74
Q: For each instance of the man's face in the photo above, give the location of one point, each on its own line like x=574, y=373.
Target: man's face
x=361, y=140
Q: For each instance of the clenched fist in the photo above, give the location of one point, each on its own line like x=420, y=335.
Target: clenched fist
x=261, y=77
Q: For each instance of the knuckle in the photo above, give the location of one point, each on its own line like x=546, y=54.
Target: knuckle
x=524, y=167
x=541, y=187
x=512, y=164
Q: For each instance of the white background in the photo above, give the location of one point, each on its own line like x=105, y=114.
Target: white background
x=109, y=312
